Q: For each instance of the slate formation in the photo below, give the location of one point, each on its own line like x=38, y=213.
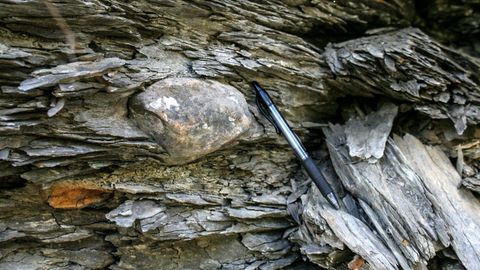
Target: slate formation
x=130, y=138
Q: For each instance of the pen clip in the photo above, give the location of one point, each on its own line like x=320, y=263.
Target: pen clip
x=262, y=108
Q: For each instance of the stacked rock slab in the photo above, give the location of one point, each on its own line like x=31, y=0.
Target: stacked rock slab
x=130, y=138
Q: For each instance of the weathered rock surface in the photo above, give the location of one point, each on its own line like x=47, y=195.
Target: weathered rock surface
x=409, y=201
x=190, y=117
x=366, y=138
x=458, y=208
x=414, y=68
x=453, y=22
x=98, y=100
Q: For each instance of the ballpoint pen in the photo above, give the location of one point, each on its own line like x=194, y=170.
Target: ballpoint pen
x=270, y=111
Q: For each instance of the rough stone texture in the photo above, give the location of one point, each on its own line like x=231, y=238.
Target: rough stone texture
x=394, y=200
x=411, y=207
x=75, y=195
x=454, y=22
x=472, y=183
x=458, y=208
x=87, y=182
x=190, y=117
x=366, y=138
x=408, y=65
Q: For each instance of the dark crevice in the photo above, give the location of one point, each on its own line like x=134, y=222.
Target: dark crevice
x=321, y=37
x=454, y=23
x=12, y=182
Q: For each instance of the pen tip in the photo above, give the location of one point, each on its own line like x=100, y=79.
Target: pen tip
x=255, y=85
x=332, y=199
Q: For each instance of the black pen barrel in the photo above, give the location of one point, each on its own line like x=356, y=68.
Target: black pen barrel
x=297, y=146
x=316, y=176
x=320, y=181
x=304, y=158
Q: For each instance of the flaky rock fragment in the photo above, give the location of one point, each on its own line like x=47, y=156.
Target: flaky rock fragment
x=69, y=72
x=408, y=65
x=394, y=199
x=191, y=117
x=366, y=138
x=457, y=207
x=472, y=183
x=147, y=212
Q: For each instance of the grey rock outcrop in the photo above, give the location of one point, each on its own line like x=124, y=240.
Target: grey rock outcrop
x=130, y=139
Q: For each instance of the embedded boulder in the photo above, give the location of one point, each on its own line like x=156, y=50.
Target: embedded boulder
x=191, y=117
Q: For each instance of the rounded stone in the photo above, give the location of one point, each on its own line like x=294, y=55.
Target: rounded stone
x=191, y=117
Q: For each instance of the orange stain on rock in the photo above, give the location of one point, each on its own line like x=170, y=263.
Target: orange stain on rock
x=75, y=196
x=357, y=263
